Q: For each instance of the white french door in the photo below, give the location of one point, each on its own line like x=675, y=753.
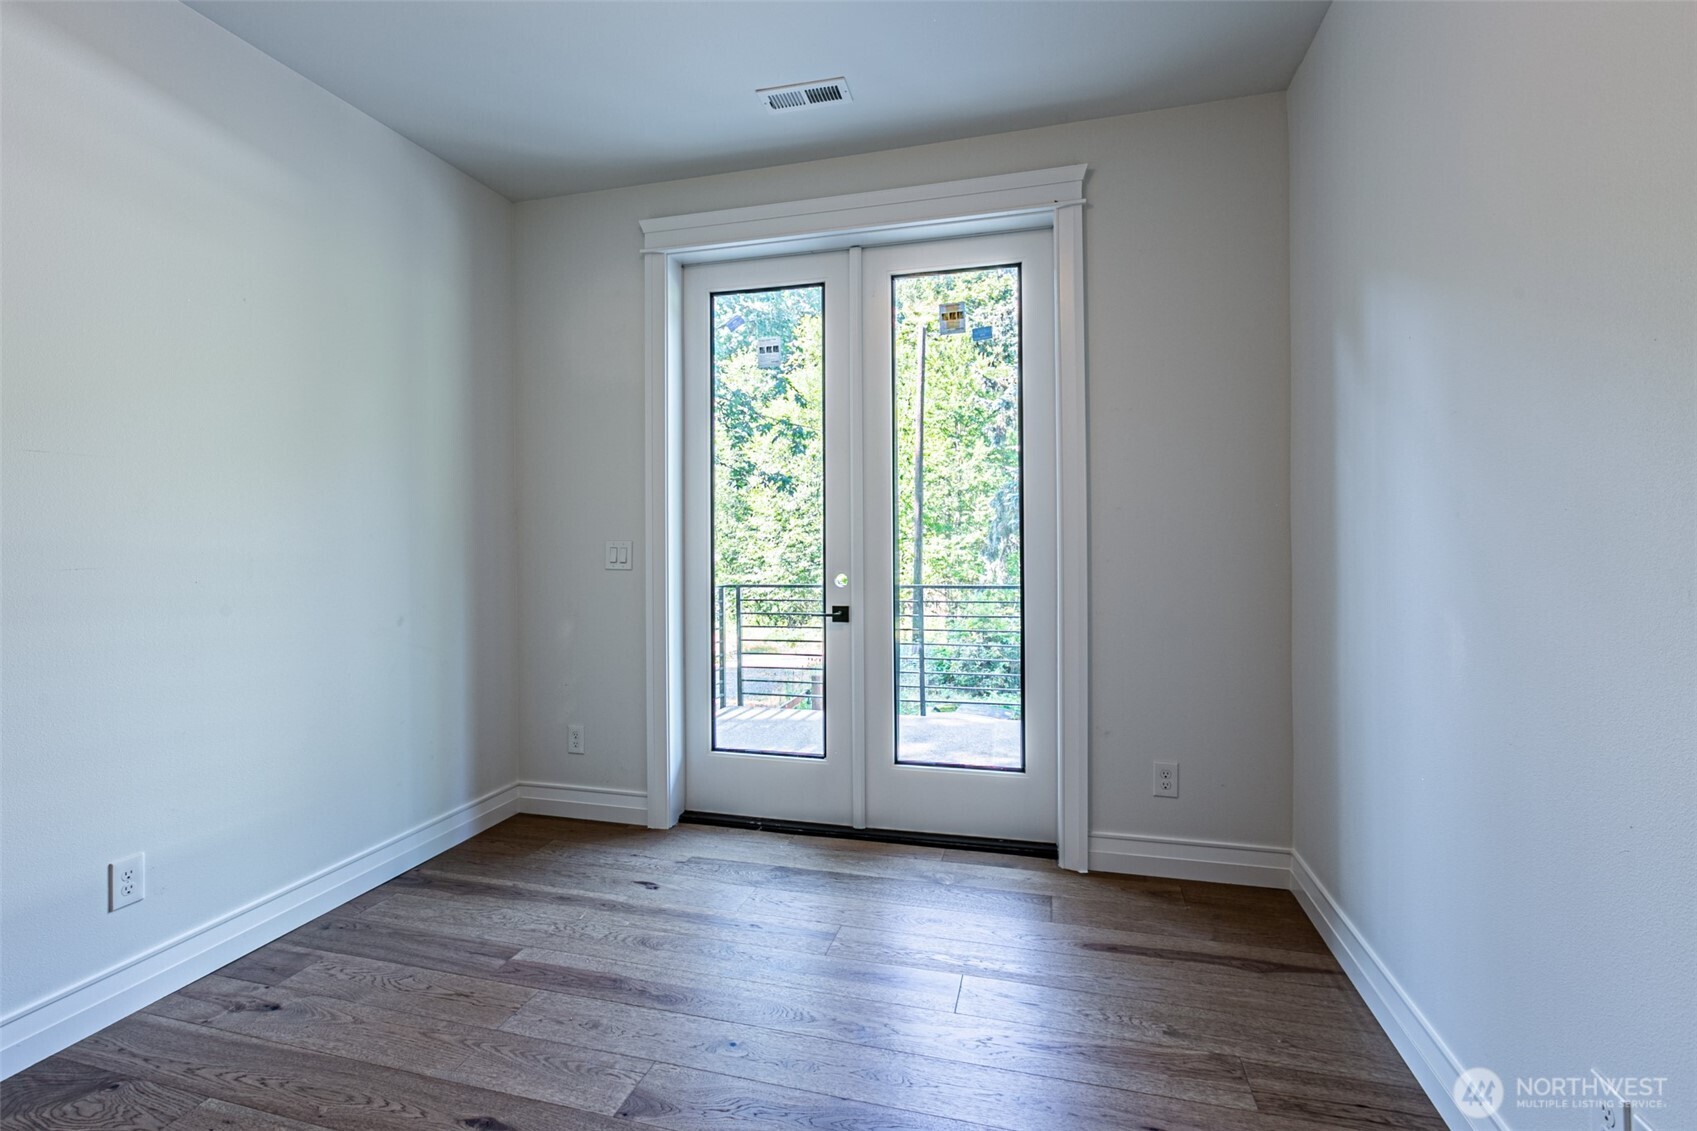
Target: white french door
x=870, y=529
x=959, y=536
x=766, y=495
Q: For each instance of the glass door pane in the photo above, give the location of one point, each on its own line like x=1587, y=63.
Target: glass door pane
x=768, y=521
x=957, y=476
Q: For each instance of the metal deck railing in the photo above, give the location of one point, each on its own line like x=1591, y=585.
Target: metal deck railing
x=956, y=645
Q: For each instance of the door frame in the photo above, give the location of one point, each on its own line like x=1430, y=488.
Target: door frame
x=1044, y=198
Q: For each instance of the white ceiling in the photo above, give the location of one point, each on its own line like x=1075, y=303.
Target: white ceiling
x=538, y=99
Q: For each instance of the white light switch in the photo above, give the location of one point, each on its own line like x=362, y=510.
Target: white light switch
x=618, y=555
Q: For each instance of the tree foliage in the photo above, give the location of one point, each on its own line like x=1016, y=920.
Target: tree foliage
x=768, y=426
x=768, y=439
x=971, y=463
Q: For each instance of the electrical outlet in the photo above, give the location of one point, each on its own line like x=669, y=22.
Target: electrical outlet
x=1166, y=779
x=574, y=739
x=126, y=881
x=1611, y=1114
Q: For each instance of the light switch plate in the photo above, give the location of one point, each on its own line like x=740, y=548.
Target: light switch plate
x=618, y=555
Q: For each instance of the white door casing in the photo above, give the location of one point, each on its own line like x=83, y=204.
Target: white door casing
x=1049, y=198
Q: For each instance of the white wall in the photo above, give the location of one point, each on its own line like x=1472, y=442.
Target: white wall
x=258, y=581
x=1186, y=240
x=1494, y=475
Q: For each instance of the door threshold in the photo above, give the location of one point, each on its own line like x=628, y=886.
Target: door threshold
x=887, y=836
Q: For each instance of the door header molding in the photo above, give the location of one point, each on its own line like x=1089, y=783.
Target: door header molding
x=966, y=207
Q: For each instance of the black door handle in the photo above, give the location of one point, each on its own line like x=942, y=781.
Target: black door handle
x=838, y=613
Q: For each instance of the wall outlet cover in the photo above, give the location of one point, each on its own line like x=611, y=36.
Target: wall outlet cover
x=1611, y=1114
x=126, y=881
x=1166, y=779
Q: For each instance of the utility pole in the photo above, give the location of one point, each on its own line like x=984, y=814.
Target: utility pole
x=919, y=517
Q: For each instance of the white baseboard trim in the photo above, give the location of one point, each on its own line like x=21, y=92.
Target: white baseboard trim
x=583, y=802
x=44, y=1027
x=1425, y=1052
x=1172, y=858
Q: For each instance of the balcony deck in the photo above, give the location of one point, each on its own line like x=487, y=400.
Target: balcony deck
x=955, y=738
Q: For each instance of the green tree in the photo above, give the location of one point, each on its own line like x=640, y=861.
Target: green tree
x=768, y=439
x=971, y=463
x=968, y=641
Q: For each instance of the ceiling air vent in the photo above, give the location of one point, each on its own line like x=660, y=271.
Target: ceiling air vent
x=801, y=95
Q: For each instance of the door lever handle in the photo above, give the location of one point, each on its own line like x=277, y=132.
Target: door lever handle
x=838, y=613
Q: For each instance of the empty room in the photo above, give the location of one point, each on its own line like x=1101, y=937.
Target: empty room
x=848, y=565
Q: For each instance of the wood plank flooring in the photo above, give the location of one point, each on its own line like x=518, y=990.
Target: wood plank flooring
x=554, y=974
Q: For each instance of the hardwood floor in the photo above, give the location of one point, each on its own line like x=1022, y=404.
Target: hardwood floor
x=562, y=974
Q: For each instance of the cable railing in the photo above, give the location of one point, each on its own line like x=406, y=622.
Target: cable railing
x=769, y=646
x=956, y=646
x=959, y=646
